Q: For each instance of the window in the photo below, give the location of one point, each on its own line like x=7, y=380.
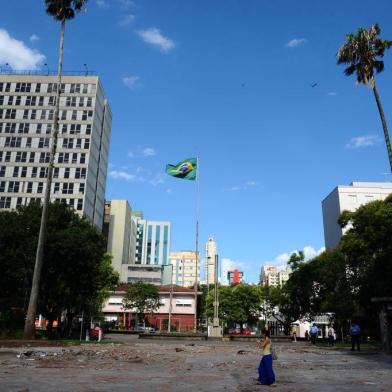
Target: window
x=86, y=144
x=29, y=187
x=63, y=114
x=85, y=88
x=56, y=188
x=74, y=115
x=13, y=141
x=34, y=172
x=18, y=100
x=19, y=201
x=5, y=202
x=23, y=171
x=67, y=143
x=75, y=158
x=78, y=143
x=44, y=157
x=43, y=142
x=24, y=128
x=56, y=172
x=13, y=186
x=40, y=187
x=78, y=172
x=43, y=172
x=88, y=129
x=89, y=102
x=1, y=100
x=7, y=87
x=81, y=188
x=25, y=114
x=39, y=128
x=33, y=114
x=7, y=156
x=68, y=188
x=82, y=157
x=2, y=171
x=67, y=172
x=38, y=87
x=28, y=142
x=79, y=207
x=10, y=114
x=16, y=171
x=32, y=157
x=10, y=127
x=52, y=101
x=2, y=186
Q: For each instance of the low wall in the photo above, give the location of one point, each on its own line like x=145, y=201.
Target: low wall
x=174, y=335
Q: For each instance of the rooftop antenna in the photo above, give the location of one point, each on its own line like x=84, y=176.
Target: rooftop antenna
x=86, y=69
x=47, y=69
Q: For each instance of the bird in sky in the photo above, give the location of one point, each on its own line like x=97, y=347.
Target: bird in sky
x=313, y=85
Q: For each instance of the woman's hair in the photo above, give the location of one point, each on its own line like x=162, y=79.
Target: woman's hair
x=265, y=332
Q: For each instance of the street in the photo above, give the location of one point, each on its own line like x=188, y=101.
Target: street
x=125, y=363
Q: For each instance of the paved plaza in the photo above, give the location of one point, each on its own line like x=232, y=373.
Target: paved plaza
x=125, y=363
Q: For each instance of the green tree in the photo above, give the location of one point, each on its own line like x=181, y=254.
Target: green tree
x=296, y=259
x=60, y=10
x=76, y=275
x=142, y=297
x=363, y=53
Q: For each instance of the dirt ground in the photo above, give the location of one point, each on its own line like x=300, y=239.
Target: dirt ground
x=126, y=363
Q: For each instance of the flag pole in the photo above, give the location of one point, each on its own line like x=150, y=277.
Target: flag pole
x=197, y=239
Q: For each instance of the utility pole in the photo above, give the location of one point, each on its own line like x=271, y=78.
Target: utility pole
x=216, y=328
x=170, y=302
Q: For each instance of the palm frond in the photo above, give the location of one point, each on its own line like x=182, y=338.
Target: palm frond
x=64, y=9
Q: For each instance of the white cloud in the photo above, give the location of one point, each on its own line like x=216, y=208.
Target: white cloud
x=159, y=178
x=148, y=152
x=17, y=54
x=295, y=42
x=251, y=183
x=332, y=93
x=232, y=189
x=102, y=3
x=363, y=141
x=127, y=3
x=122, y=174
x=281, y=260
x=154, y=37
x=127, y=20
x=131, y=81
x=34, y=38
x=245, y=186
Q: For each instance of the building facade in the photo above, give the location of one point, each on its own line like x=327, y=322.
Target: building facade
x=348, y=197
x=153, y=242
x=181, y=302
x=119, y=233
x=235, y=277
x=186, y=269
x=211, y=253
x=27, y=105
x=226, y=265
x=154, y=274
x=271, y=276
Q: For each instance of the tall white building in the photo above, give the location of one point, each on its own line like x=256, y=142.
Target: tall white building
x=211, y=252
x=348, y=197
x=27, y=104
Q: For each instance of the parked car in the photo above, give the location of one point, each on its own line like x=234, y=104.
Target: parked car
x=143, y=328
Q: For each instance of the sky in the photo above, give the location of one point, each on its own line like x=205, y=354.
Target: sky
x=228, y=81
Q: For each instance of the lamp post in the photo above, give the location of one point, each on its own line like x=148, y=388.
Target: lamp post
x=170, y=302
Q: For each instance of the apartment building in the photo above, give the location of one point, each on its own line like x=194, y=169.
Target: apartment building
x=27, y=105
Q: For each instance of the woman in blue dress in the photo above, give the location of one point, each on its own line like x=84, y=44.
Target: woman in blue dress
x=266, y=373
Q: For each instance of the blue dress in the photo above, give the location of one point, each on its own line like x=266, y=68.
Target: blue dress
x=266, y=373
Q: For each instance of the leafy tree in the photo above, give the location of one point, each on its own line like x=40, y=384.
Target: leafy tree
x=143, y=297
x=60, y=10
x=296, y=259
x=76, y=274
x=363, y=53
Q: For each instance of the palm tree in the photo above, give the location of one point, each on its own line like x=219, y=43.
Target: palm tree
x=61, y=10
x=363, y=52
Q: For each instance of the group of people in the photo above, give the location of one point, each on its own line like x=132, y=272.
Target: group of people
x=266, y=372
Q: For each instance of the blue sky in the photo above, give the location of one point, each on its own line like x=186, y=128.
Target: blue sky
x=228, y=81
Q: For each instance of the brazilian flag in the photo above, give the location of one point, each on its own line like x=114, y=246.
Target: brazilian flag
x=186, y=169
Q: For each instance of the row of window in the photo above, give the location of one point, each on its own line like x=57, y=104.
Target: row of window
x=43, y=142
x=5, y=202
x=25, y=87
x=35, y=100
x=42, y=157
x=34, y=114
x=42, y=172
x=66, y=188
x=38, y=128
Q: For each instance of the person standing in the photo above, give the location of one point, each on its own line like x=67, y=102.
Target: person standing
x=266, y=373
x=355, y=332
x=331, y=335
x=313, y=333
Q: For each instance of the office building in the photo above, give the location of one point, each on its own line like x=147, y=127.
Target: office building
x=27, y=105
x=119, y=233
x=153, y=242
x=271, y=276
x=348, y=197
x=211, y=253
x=186, y=269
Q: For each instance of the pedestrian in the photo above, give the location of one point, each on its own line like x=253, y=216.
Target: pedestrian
x=355, y=332
x=266, y=373
x=313, y=333
x=306, y=335
x=331, y=335
x=294, y=333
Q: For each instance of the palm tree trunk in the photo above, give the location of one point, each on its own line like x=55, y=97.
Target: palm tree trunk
x=29, y=328
x=384, y=123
